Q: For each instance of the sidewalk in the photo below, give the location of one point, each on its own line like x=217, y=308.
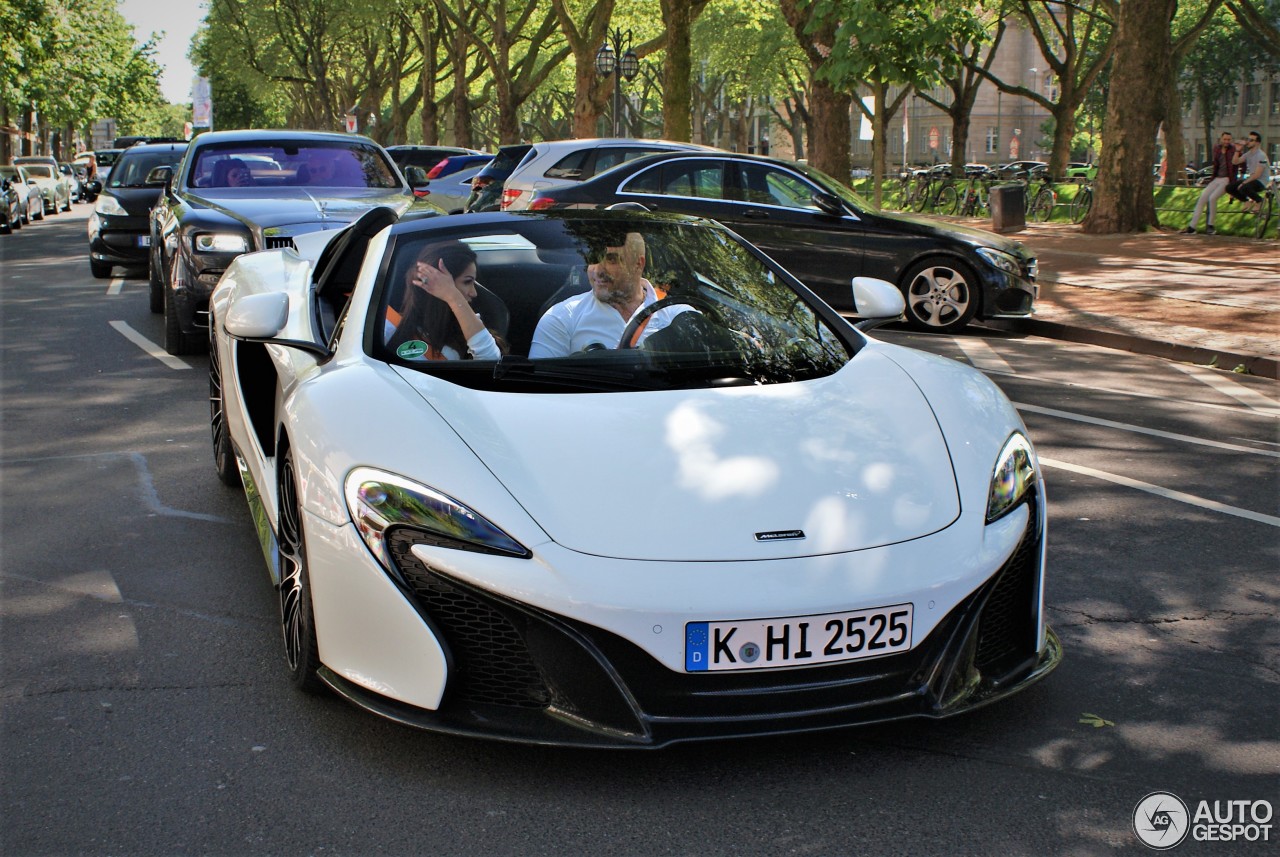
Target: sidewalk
x=1212, y=300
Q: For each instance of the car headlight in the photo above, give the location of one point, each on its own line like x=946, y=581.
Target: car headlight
x=1014, y=476
x=1000, y=259
x=109, y=205
x=221, y=242
x=379, y=501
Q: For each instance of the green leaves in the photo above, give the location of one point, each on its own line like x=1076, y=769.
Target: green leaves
x=1095, y=721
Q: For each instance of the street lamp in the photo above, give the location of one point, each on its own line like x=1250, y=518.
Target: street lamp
x=612, y=59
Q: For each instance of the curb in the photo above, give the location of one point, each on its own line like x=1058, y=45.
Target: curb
x=1253, y=364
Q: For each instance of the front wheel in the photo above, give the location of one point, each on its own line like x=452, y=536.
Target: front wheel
x=1084, y=202
x=1042, y=208
x=941, y=295
x=297, y=615
x=224, y=459
x=100, y=270
x=946, y=201
x=155, y=283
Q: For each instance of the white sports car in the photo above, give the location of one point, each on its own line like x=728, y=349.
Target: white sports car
x=751, y=518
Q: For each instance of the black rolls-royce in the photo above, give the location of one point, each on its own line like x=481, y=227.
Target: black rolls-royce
x=239, y=191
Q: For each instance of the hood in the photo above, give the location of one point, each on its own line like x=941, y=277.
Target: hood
x=852, y=461
x=287, y=206
x=136, y=201
x=919, y=225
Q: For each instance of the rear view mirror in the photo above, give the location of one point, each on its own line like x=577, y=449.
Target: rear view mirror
x=159, y=175
x=415, y=176
x=260, y=316
x=876, y=301
x=829, y=204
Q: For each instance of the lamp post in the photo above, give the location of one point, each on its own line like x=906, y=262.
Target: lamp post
x=616, y=58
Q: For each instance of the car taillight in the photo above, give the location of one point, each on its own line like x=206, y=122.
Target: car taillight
x=542, y=203
x=437, y=169
x=509, y=196
x=421, y=192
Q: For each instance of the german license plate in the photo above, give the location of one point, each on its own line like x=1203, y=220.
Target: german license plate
x=794, y=641
x=144, y=240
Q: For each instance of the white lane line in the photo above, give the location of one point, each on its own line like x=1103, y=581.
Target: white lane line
x=1190, y=499
x=1213, y=406
x=116, y=285
x=1167, y=435
x=983, y=357
x=148, y=346
x=1228, y=387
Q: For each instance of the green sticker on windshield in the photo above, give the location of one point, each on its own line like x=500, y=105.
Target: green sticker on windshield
x=412, y=349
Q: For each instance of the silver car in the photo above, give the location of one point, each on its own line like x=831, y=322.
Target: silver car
x=562, y=162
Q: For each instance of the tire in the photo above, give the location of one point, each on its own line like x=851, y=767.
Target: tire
x=100, y=270
x=68, y=206
x=176, y=342
x=941, y=295
x=224, y=459
x=155, y=284
x=39, y=215
x=1042, y=208
x=1084, y=202
x=946, y=201
x=297, y=616
x=921, y=199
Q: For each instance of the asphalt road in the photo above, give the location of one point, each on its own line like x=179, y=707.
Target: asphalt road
x=145, y=708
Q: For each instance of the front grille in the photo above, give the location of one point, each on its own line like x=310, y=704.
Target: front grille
x=285, y=243
x=491, y=661
x=1007, y=624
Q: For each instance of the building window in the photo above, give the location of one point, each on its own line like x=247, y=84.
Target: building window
x=1275, y=98
x=993, y=141
x=1253, y=99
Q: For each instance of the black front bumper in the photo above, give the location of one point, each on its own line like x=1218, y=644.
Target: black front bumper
x=119, y=240
x=521, y=674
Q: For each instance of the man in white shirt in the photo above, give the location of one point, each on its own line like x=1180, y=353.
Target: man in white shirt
x=1249, y=190
x=597, y=318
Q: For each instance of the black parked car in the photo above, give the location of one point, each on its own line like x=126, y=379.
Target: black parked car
x=486, y=187
x=826, y=234
x=119, y=228
x=239, y=191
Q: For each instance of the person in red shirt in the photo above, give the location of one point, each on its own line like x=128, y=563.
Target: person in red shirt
x=1223, y=172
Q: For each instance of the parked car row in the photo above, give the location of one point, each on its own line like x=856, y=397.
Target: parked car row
x=33, y=186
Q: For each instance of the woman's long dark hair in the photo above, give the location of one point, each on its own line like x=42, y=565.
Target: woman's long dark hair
x=425, y=316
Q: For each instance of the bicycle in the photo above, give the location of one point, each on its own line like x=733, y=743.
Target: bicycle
x=1083, y=202
x=939, y=195
x=1266, y=209
x=1046, y=199
x=975, y=201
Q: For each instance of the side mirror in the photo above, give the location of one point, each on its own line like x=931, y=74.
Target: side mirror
x=159, y=175
x=260, y=316
x=829, y=203
x=415, y=176
x=876, y=301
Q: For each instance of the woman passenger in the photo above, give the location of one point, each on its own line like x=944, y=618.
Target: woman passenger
x=437, y=321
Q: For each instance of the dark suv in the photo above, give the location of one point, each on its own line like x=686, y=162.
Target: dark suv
x=120, y=228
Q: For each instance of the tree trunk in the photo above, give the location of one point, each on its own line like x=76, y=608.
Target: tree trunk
x=1175, y=151
x=461, y=100
x=676, y=70
x=829, y=129
x=430, y=67
x=1123, y=200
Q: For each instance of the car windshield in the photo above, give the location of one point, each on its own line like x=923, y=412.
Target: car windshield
x=39, y=171
x=714, y=313
x=106, y=159
x=307, y=164
x=132, y=169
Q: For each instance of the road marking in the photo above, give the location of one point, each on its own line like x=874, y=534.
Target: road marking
x=1190, y=499
x=1251, y=399
x=146, y=485
x=983, y=357
x=116, y=285
x=148, y=346
x=1167, y=435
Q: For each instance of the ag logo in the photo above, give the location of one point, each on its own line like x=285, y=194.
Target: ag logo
x=1161, y=820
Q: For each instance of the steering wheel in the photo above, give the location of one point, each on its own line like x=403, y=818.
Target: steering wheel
x=645, y=313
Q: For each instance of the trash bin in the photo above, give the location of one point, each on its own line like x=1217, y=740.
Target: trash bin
x=1008, y=208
